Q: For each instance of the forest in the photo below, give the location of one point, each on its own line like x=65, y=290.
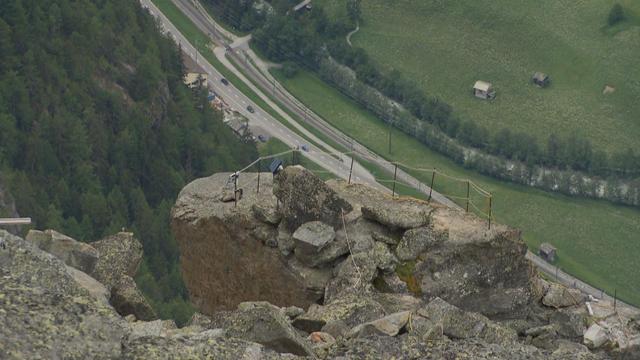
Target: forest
x=99, y=133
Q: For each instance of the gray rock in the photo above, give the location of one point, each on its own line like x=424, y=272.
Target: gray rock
x=389, y=325
x=416, y=241
x=266, y=325
x=304, y=197
x=559, y=296
x=569, y=324
x=266, y=213
x=543, y=337
x=312, y=280
x=385, y=239
x=574, y=351
x=286, y=244
x=127, y=299
x=398, y=214
x=322, y=343
x=383, y=258
x=354, y=274
x=79, y=255
x=95, y=288
x=595, y=336
x=315, y=244
x=119, y=255
x=352, y=310
x=458, y=324
x=337, y=328
x=293, y=312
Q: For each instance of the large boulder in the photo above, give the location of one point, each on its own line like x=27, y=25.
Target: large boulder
x=459, y=324
x=352, y=310
x=476, y=268
x=416, y=241
x=265, y=324
x=304, y=197
x=74, y=253
x=398, y=213
x=560, y=296
x=389, y=325
x=315, y=245
x=223, y=261
x=46, y=313
x=119, y=255
x=127, y=299
x=595, y=336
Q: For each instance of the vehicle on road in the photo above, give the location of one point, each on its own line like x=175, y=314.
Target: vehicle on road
x=304, y=147
x=224, y=81
x=262, y=138
x=250, y=109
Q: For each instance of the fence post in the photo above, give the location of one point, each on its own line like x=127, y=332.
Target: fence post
x=556, y=272
x=350, y=169
x=235, y=191
x=433, y=178
x=259, y=170
x=615, y=299
x=395, y=172
x=490, y=209
x=468, y=194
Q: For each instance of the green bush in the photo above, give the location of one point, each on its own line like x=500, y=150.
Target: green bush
x=615, y=15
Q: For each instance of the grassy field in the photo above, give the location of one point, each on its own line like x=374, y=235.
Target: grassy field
x=597, y=241
x=447, y=46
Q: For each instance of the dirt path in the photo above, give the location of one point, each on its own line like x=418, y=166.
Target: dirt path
x=349, y=35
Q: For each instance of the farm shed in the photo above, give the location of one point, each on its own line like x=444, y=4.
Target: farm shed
x=547, y=252
x=483, y=90
x=540, y=79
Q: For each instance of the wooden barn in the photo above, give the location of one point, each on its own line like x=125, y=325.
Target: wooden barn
x=484, y=90
x=540, y=79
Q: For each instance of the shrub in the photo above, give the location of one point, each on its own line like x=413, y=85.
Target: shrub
x=615, y=15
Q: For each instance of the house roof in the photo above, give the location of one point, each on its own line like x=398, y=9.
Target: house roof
x=482, y=85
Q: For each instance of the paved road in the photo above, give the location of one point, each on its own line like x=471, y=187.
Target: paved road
x=338, y=165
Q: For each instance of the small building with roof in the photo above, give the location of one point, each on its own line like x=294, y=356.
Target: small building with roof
x=547, y=252
x=540, y=79
x=484, y=90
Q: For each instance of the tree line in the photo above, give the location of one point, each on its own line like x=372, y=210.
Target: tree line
x=307, y=37
x=99, y=133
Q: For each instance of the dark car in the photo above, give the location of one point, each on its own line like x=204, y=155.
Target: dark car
x=262, y=138
x=250, y=109
x=224, y=81
x=304, y=147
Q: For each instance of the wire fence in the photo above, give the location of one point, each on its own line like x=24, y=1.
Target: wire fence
x=419, y=182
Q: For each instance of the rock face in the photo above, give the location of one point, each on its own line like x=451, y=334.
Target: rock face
x=376, y=277
x=223, y=262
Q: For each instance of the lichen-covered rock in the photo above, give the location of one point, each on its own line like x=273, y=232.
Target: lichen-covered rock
x=315, y=244
x=352, y=310
x=266, y=325
x=559, y=296
x=127, y=299
x=266, y=213
x=416, y=241
x=74, y=253
x=459, y=324
x=595, y=336
x=398, y=213
x=119, y=255
x=304, y=197
x=45, y=313
x=389, y=325
x=205, y=345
